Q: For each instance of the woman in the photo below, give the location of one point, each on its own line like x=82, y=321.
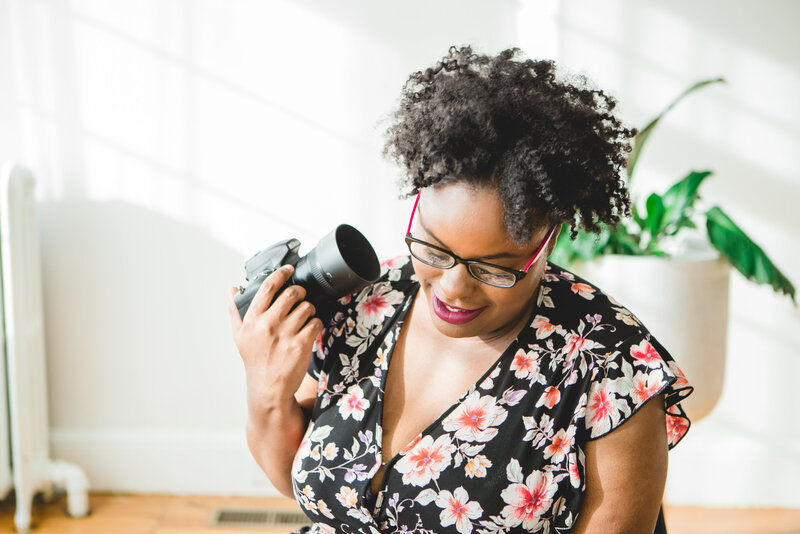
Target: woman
x=475, y=387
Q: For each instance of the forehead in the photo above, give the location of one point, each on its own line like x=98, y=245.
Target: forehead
x=466, y=219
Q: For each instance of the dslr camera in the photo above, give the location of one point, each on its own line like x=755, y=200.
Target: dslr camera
x=342, y=262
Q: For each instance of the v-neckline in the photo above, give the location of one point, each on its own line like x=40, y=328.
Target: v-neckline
x=381, y=394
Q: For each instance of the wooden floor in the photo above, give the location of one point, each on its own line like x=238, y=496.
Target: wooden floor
x=163, y=514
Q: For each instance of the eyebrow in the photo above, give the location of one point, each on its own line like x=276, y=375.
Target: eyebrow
x=501, y=255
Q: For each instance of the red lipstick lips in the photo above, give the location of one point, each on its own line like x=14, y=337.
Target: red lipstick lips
x=453, y=314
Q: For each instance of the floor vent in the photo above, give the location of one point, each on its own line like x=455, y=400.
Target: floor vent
x=257, y=518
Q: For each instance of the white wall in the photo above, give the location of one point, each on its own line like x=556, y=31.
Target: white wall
x=172, y=139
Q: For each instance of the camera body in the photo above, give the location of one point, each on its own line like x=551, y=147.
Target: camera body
x=342, y=262
x=263, y=264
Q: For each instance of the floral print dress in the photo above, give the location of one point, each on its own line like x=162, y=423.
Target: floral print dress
x=508, y=456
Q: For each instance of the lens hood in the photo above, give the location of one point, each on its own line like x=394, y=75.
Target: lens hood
x=342, y=262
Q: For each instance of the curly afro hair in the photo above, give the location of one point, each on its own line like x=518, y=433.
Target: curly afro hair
x=551, y=149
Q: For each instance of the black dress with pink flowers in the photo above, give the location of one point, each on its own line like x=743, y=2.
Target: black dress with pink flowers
x=508, y=456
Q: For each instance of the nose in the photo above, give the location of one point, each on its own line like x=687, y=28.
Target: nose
x=456, y=282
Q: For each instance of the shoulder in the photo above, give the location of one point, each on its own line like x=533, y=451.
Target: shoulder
x=354, y=320
x=572, y=299
x=602, y=356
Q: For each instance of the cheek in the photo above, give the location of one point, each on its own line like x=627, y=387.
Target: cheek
x=510, y=302
x=425, y=273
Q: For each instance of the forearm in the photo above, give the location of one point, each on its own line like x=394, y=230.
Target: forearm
x=273, y=435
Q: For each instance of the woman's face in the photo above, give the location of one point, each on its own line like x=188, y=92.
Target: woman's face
x=469, y=222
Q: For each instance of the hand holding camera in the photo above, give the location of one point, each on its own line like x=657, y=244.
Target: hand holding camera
x=274, y=339
x=272, y=318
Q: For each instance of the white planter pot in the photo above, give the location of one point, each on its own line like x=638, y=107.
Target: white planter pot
x=684, y=304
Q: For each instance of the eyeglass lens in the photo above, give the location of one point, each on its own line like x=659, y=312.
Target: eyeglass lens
x=442, y=260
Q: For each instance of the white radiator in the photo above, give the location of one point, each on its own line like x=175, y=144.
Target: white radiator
x=23, y=318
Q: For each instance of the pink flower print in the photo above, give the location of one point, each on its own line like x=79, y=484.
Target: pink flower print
x=426, y=460
x=602, y=410
x=574, y=474
x=322, y=385
x=575, y=344
x=457, y=509
x=394, y=263
x=527, y=502
x=681, y=382
x=561, y=445
x=319, y=347
x=645, y=386
x=303, y=450
x=378, y=305
x=475, y=419
x=353, y=403
x=525, y=363
x=543, y=327
x=676, y=427
x=646, y=353
x=407, y=448
x=550, y=397
x=584, y=290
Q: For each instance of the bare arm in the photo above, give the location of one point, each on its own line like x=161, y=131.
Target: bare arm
x=625, y=475
x=274, y=340
x=274, y=435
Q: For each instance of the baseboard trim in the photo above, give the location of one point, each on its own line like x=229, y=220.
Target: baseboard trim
x=710, y=468
x=180, y=462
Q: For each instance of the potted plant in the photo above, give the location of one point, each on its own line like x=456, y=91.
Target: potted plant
x=670, y=264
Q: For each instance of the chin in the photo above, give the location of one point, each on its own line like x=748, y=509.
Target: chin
x=454, y=330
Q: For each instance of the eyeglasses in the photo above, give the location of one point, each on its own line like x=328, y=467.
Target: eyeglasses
x=488, y=273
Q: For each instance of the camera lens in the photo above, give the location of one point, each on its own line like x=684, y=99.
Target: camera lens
x=342, y=262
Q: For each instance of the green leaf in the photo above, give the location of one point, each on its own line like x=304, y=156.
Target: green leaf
x=644, y=134
x=680, y=198
x=655, y=216
x=562, y=253
x=747, y=257
x=585, y=247
x=621, y=241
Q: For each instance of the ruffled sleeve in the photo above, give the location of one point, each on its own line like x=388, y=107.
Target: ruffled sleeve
x=638, y=369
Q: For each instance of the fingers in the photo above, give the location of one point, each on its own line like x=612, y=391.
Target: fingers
x=297, y=317
x=310, y=331
x=284, y=303
x=263, y=297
